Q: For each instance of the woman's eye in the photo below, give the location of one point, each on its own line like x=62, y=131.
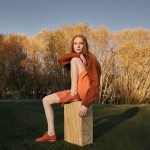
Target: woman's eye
x=81, y=43
x=78, y=43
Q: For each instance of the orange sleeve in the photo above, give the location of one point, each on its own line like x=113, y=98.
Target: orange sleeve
x=93, y=90
x=94, y=72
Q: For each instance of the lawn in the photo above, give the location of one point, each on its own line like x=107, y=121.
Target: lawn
x=116, y=127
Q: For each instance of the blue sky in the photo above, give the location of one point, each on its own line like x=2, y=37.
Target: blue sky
x=32, y=16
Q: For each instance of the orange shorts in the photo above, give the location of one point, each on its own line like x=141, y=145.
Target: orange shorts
x=83, y=86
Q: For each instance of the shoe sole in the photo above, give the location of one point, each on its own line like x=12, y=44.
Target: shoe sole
x=46, y=141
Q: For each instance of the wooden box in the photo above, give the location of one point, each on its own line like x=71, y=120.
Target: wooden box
x=78, y=130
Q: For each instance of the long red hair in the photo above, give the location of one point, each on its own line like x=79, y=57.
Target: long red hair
x=85, y=50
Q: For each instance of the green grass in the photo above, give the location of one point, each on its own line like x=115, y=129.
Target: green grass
x=116, y=127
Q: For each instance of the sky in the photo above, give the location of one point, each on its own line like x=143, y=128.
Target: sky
x=33, y=16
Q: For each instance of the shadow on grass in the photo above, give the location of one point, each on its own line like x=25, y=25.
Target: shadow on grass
x=104, y=124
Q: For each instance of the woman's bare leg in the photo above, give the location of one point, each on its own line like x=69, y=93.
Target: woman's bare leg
x=49, y=113
x=76, y=68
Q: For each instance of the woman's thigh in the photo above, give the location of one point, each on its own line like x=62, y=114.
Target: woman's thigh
x=51, y=99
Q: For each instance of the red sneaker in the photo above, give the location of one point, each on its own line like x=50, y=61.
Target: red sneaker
x=46, y=138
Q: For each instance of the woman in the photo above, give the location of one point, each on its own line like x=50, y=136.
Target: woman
x=85, y=77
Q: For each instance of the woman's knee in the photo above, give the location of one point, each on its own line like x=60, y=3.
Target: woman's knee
x=76, y=60
x=73, y=60
x=46, y=100
x=50, y=99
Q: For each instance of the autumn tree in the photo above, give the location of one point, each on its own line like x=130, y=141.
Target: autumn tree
x=132, y=60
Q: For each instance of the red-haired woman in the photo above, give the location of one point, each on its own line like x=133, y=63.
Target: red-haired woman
x=85, y=77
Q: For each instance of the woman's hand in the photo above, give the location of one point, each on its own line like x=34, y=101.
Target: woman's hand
x=83, y=111
x=83, y=59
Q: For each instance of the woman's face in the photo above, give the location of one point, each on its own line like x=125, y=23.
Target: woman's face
x=78, y=44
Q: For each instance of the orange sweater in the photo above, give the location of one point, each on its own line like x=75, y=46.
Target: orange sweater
x=93, y=69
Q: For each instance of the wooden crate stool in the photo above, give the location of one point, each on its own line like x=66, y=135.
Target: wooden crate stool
x=78, y=130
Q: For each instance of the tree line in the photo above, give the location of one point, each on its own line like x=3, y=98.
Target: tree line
x=29, y=67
